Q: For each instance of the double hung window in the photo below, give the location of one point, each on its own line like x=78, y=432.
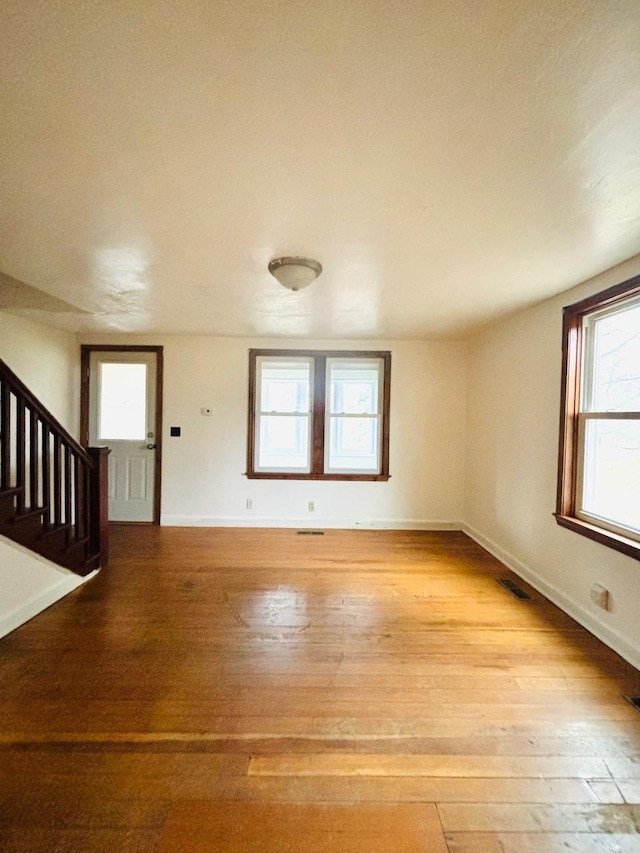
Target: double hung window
x=599, y=471
x=318, y=415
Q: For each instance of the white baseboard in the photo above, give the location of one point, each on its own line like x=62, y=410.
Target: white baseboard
x=313, y=523
x=583, y=617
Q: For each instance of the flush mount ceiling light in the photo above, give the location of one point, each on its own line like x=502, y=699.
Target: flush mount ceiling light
x=295, y=273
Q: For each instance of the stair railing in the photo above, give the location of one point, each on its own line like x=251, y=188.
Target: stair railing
x=53, y=492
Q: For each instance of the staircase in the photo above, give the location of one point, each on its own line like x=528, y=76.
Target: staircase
x=53, y=492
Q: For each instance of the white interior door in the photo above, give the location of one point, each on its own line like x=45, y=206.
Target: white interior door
x=122, y=416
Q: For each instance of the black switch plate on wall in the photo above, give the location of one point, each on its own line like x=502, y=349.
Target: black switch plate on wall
x=175, y=431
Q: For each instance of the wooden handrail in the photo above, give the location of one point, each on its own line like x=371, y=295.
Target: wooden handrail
x=53, y=492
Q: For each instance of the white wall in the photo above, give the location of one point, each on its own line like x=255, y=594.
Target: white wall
x=47, y=360
x=513, y=411
x=203, y=470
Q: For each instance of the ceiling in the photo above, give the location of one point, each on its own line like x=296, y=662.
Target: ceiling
x=448, y=162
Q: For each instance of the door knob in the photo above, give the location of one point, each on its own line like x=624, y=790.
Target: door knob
x=151, y=447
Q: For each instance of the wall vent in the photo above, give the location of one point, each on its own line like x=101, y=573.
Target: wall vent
x=310, y=532
x=515, y=590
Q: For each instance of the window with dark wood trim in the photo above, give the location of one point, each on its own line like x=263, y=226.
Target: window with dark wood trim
x=319, y=415
x=599, y=458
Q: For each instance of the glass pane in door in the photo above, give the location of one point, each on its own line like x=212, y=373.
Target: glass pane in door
x=123, y=402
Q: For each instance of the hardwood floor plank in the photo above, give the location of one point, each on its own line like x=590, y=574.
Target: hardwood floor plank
x=485, y=766
x=94, y=840
x=413, y=789
x=630, y=790
x=38, y=808
x=491, y=817
x=541, y=842
x=170, y=716
x=254, y=828
x=265, y=742
x=189, y=685
x=199, y=780
x=330, y=728
x=627, y=767
x=594, y=686
x=606, y=792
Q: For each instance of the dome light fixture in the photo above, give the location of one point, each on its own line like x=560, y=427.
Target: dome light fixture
x=294, y=273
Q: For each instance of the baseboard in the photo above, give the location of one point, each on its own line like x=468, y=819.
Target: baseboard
x=583, y=617
x=313, y=523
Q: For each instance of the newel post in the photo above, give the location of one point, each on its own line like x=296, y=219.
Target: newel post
x=99, y=503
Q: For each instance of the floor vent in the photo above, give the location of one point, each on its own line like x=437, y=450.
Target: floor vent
x=310, y=532
x=634, y=700
x=514, y=589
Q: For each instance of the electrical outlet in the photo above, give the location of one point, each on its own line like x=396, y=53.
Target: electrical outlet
x=312, y=506
x=600, y=596
x=249, y=503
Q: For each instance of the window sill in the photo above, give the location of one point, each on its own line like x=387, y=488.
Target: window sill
x=599, y=534
x=352, y=478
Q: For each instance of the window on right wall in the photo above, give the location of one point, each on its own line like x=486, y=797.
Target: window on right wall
x=599, y=465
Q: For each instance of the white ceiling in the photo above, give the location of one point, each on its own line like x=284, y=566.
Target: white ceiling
x=446, y=161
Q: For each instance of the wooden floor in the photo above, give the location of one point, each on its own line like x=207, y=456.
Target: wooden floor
x=243, y=690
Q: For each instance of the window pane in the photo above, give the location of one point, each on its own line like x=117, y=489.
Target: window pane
x=616, y=367
x=284, y=386
x=354, y=388
x=123, y=402
x=353, y=444
x=612, y=471
x=283, y=443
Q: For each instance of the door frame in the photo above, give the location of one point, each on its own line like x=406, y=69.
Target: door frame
x=85, y=355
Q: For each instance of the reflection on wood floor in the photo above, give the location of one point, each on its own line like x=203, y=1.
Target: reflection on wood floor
x=256, y=690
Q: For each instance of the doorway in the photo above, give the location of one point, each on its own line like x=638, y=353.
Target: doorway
x=121, y=408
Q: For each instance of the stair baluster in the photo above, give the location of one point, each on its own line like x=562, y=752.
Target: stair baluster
x=53, y=492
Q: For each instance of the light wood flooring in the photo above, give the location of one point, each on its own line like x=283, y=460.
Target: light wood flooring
x=259, y=690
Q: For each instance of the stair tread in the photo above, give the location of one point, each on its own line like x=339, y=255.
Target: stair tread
x=11, y=492
x=29, y=513
x=54, y=529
